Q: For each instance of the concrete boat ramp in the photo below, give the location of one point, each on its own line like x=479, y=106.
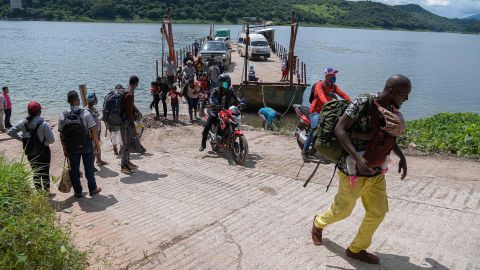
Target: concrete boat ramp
x=189, y=210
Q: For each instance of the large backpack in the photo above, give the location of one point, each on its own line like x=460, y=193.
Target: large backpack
x=113, y=111
x=75, y=134
x=32, y=145
x=326, y=142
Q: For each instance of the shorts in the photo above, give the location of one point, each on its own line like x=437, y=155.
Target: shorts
x=285, y=73
x=192, y=102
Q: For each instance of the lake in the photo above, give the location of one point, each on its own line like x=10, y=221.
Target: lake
x=43, y=60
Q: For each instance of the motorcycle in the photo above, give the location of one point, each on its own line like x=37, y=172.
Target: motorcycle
x=226, y=134
x=303, y=128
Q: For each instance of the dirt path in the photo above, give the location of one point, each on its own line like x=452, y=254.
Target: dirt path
x=189, y=210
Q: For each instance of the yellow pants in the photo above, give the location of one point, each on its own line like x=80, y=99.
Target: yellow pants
x=373, y=191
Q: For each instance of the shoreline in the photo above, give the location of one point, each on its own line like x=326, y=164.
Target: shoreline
x=201, y=22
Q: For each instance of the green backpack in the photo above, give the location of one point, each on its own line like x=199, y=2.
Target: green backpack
x=326, y=143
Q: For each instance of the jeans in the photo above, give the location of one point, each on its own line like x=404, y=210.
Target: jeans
x=212, y=118
x=314, y=119
x=175, y=110
x=126, y=133
x=164, y=104
x=88, y=164
x=171, y=80
x=8, y=114
x=2, y=123
x=41, y=168
x=373, y=191
x=156, y=100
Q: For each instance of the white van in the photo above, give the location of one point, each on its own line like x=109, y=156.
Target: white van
x=258, y=47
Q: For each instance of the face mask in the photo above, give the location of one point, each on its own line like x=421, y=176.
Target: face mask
x=333, y=80
x=225, y=85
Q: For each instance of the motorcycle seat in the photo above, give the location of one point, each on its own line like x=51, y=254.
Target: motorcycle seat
x=304, y=110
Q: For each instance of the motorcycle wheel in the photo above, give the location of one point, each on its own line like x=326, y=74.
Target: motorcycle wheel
x=240, y=150
x=303, y=128
x=213, y=144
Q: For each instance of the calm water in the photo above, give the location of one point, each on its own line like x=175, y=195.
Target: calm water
x=43, y=60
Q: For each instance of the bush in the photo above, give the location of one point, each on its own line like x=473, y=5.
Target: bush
x=30, y=235
x=447, y=133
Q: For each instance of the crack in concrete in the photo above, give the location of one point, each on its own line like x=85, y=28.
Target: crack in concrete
x=185, y=236
x=229, y=239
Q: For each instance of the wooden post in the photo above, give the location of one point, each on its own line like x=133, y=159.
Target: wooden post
x=247, y=43
x=83, y=94
x=305, y=73
x=301, y=73
x=157, y=69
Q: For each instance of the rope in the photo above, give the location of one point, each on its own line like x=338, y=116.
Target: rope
x=289, y=106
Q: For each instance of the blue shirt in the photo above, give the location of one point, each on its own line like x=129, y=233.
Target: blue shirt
x=269, y=113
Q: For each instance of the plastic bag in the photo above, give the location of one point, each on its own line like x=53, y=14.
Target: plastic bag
x=65, y=184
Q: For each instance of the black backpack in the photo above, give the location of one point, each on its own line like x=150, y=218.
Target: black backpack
x=75, y=134
x=32, y=145
x=113, y=111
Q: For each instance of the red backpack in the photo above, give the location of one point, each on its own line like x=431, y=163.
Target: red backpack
x=381, y=144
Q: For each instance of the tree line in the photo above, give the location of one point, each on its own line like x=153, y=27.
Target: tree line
x=316, y=12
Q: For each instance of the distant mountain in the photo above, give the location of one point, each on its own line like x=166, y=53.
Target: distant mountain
x=359, y=14
x=430, y=20
x=473, y=17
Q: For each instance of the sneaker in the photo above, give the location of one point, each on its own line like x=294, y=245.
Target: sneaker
x=126, y=170
x=96, y=191
x=202, y=147
x=305, y=157
x=78, y=195
x=132, y=166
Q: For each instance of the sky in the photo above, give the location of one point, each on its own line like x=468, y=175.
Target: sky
x=446, y=8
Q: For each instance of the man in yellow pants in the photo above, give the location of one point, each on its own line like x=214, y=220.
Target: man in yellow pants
x=367, y=131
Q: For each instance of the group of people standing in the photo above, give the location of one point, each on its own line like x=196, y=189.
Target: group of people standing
x=80, y=129
x=195, y=80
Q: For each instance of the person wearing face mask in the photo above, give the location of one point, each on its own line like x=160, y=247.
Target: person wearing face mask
x=224, y=90
x=322, y=92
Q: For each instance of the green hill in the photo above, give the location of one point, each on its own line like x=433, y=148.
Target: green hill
x=363, y=14
x=473, y=17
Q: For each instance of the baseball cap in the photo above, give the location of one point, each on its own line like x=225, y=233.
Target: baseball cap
x=330, y=70
x=33, y=107
x=91, y=96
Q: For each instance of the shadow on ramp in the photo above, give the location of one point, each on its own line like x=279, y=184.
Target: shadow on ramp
x=387, y=261
x=105, y=172
x=97, y=203
x=140, y=177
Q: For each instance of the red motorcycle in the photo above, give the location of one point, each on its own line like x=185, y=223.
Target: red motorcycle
x=226, y=133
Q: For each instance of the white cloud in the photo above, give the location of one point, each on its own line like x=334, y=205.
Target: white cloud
x=441, y=3
x=446, y=8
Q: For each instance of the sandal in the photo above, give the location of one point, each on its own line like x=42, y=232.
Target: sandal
x=102, y=163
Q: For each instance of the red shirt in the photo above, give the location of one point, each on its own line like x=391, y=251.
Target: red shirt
x=8, y=101
x=323, y=96
x=174, y=96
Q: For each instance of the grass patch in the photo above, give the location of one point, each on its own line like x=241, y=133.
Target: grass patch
x=445, y=133
x=30, y=234
x=321, y=10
